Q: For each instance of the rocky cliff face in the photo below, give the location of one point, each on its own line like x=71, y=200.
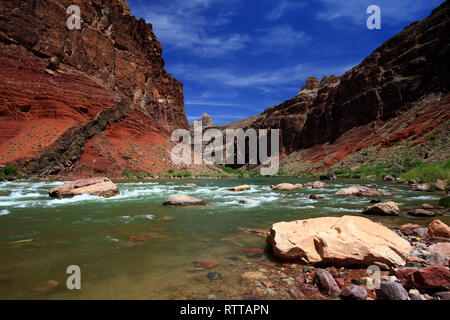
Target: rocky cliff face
x=83, y=100
x=206, y=122
x=338, y=116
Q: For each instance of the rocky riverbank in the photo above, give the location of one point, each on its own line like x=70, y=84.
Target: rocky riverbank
x=423, y=275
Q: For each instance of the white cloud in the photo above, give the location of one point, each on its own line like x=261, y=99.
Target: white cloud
x=281, y=38
x=184, y=25
x=392, y=11
x=281, y=6
x=265, y=81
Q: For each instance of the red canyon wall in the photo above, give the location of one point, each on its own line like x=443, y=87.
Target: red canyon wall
x=371, y=104
x=81, y=101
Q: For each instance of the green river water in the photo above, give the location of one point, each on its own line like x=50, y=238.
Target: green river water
x=93, y=232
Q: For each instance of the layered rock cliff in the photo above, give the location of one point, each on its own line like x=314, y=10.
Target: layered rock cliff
x=398, y=93
x=87, y=101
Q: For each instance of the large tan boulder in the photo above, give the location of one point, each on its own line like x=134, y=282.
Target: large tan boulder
x=184, y=201
x=383, y=209
x=94, y=186
x=286, y=186
x=346, y=241
x=362, y=192
x=240, y=188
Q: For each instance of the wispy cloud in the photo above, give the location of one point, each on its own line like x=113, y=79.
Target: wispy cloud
x=263, y=80
x=392, y=11
x=184, y=25
x=281, y=6
x=280, y=38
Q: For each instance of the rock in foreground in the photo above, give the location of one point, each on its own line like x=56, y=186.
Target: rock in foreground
x=184, y=201
x=438, y=229
x=391, y=291
x=95, y=186
x=346, y=241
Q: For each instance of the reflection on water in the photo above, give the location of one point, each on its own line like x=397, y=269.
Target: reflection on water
x=93, y=232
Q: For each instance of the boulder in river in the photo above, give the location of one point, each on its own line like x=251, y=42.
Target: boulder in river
x=425, y=187
x=440, y=185
x=362, y=192
x=94, y=186
x=192, y=185
x=184, y=201
x=286, y=186
x=316, y=185
x=240, y=188
x=346, y=241
x=421, y=213
x=383, y=209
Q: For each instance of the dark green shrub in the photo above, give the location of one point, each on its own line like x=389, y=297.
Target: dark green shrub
x=445, y=202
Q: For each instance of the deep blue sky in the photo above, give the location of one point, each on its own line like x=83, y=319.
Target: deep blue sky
x=238, y=57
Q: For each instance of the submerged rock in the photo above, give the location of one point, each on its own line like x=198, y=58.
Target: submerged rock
x=261, y=233
x=184, y=201
x=240, y=188
x=427, y=206
x=346, y=241
x=286, y=187
x=136, y=239
x=192, y=185
x=383, y=209
x=206, y=263
x=93, y=186
x=46, y=287
x=253, y=275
